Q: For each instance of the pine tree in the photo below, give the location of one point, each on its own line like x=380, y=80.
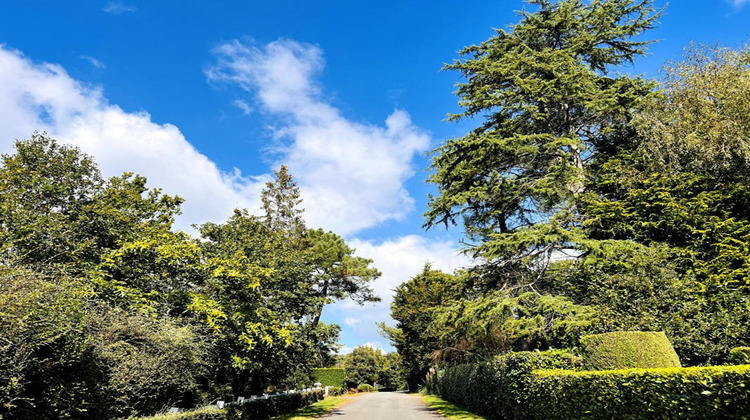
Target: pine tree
x=549, y=97
x=281, y=199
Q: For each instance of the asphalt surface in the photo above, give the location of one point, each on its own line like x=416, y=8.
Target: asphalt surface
x=385, y=406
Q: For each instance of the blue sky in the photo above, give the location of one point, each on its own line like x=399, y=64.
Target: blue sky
x=205, y=98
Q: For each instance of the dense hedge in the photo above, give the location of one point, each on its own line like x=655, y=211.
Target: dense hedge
x=514, y=387
x=329, y=376
x=739, y=356
x=206, y=413
x=258, y=409
x=718, y=392
x=628, y=349
x=493, y=387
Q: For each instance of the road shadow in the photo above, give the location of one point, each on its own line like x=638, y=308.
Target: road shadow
x=333, y=413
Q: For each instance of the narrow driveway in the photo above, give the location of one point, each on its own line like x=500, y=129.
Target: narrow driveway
x=385, y=406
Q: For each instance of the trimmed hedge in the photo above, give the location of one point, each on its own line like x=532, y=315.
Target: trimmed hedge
x=521, y=386
x=493, y=387
x=329, y=376
x=739, y=356
x=717, y=392
x=260, y=409
x=628, y=349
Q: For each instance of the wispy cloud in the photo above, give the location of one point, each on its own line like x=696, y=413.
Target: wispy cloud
x=739, y=3
x=352, y=321
x=94, y=62
x=243, y=106
x=351, y=173
x=117, y=8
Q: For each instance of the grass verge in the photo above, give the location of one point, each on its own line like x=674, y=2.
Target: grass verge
x=317, y=409
x=448, y=409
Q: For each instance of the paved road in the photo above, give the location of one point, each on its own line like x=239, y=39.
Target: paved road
x=385, y=406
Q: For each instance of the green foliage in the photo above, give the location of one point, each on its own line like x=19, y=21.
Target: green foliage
x=339, y=274
x=495, y=387
x=329, y=376
x=64, y=358
x=207, y=413
x=391, y=375
x=719, y=392
x=529, y=386
x=366, y=388
x=148, y=363
x=499, y=322
x=337, y=390
x=281, y=200
x=548, y=99
x=43, y=366
x=108, y=312
x=363, y=365
x=678, y=183
x=315, y=410
x=260, y=409
x=628, y=349
x=55, y=208
x=414, y=305
x=739, y=356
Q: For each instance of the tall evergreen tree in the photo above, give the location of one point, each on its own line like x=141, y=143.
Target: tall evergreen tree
x=550, y=96
x=281, y=200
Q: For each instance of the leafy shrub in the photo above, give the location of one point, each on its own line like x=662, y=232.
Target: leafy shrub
x=718, y=392
x=149, y=363
x=366, y=388
x=739, y=356
x=337, y=390
x=329, y=376
x=206, y=413
x=260, y=409
x=62, y=358
x=44, y=368
x=628, y=349
x=493, y=386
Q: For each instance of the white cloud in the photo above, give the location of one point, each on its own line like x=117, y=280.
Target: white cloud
x=352, y=321
x=399, y=260
x=117, y=8
x=44, y=97
x=94, y=62
x=351, y=173
x=243, y=106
